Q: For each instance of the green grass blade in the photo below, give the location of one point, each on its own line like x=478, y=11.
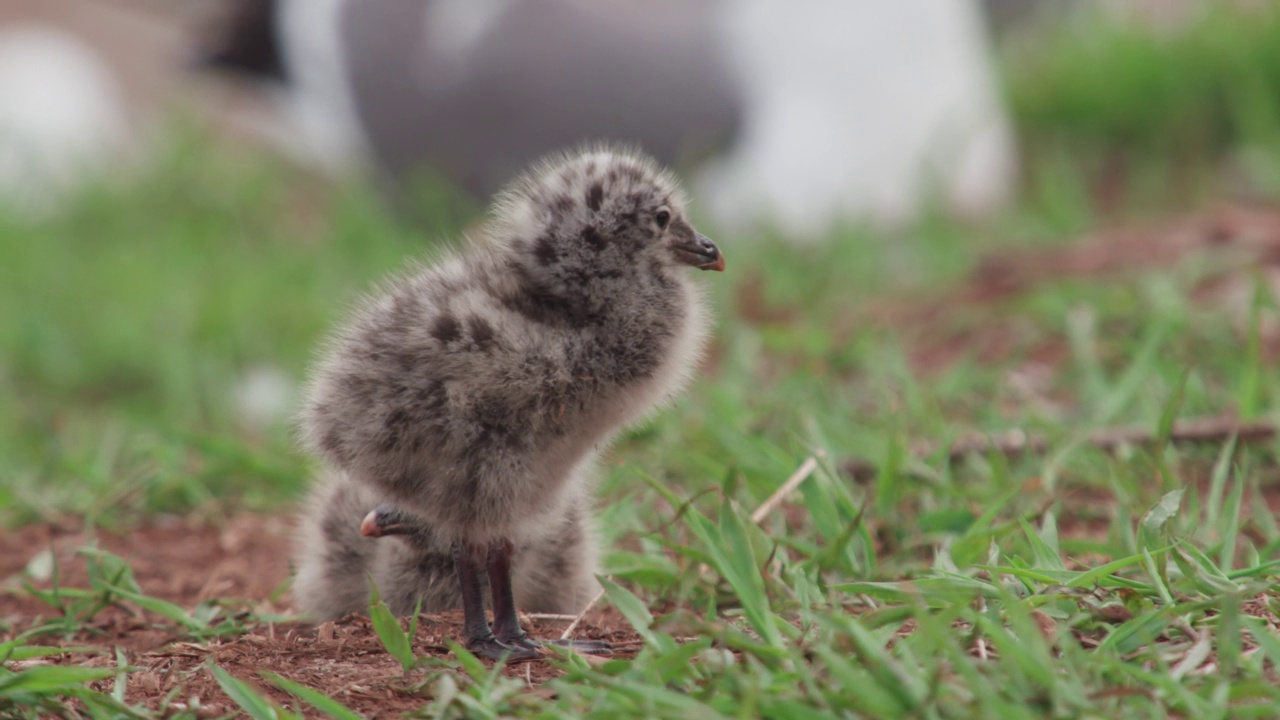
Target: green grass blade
x=1230, y=522
x=1159, y=516
x=397, y=643
x=1094, y=575
x=254, y=704
x=51, y=679
x=1046, y=556
x=122, y=676
x=470, y=664
x=314, y=698
x=731, y=551
x=631, y=607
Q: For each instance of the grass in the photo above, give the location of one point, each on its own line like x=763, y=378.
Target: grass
x=1074, y=584
x=1206, y=87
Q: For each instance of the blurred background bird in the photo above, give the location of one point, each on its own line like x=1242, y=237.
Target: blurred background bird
x=796, y=116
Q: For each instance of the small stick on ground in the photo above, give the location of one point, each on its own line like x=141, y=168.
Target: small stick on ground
x=801, y=474
x=1187, y=431
x=578, y=620
x=548, y=616
x=1018, y=442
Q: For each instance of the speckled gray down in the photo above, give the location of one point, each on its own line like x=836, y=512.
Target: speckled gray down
x=476, y=391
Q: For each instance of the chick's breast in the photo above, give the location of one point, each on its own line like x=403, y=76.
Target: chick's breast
x=452, y=407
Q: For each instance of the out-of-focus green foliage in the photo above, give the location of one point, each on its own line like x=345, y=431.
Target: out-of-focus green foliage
x=1193, y=86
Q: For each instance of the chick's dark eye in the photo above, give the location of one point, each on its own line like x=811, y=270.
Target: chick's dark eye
x=662, y=217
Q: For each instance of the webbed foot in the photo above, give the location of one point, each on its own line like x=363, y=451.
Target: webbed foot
x=489, y=648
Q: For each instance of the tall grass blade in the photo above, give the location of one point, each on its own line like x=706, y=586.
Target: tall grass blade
x=387, y=627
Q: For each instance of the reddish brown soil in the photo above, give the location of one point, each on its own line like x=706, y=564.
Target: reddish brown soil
x=1230, y=248
x=245, y=560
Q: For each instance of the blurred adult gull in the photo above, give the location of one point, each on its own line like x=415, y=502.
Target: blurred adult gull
x=795, y=115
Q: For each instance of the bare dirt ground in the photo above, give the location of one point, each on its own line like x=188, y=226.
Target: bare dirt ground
x=1232, y=246
x=246, y=557
x=244, y=562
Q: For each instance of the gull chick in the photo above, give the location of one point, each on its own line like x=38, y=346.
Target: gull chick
x=462, y=406
x=553, y=569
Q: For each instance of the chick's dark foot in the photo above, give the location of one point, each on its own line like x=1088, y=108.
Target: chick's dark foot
x=490, y=649
x=587, y=647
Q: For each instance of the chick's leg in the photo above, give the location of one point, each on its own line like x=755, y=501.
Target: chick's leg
x=507, y=638
x=469, y=559
x=480, y=640
x=506, y=624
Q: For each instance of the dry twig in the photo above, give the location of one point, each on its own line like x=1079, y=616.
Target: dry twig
x=578, y=620
x=1017, y=442
x=801, y=474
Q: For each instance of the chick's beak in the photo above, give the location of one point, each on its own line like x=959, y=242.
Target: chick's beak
x=700, y=253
